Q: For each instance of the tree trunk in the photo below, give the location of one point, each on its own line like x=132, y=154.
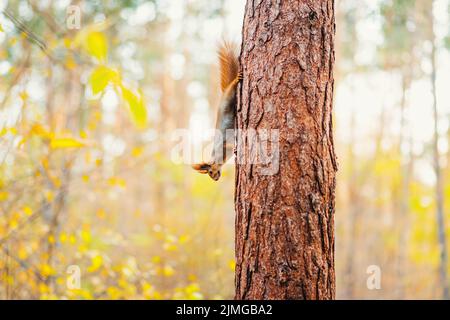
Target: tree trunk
x=285, y=206
x=402, y=207
x=442, y=238
x=439, y=191
x=354, y=214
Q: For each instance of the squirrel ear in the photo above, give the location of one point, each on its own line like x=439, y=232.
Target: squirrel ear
x=201, y=167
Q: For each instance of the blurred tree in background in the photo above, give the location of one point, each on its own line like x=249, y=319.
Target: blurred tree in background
x=88, y=128
x=87, y=177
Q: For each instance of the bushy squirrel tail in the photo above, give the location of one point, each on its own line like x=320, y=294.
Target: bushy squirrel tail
x=229, y=64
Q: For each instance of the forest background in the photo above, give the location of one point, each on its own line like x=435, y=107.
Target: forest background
x=93, y=186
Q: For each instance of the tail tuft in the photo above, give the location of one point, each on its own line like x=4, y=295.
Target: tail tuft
x=229, y=64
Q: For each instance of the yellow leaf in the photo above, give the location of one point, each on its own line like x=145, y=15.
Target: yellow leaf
x=23, y=95
x=96, y=45
x=83, y=134
x=63, y=237
x=58, y=143
x=67, y=42
x=86, y=295
x=113, y=293
x=14, y=220
x=49, y=196
x=170, y=247
x=22, y=253
x=1, y=28
x=56, y=181
x=192, y=277
x=51, y=239
x=168, y=271
x=101, y=213
x=9, y=279
x=70, y=63
x=27, y=210
x=13, y=224
x=45, y=164
x=156, y=259
x=2, y=234
x=116, y=181
x=86, y=236
x=47, y=270
x=157, y=295
x=137, y=151
x=183, y=239
x=97, y=262
x=3, y=195
x=60, y=281
x=43, y=288
x=39, y=130
x=72, y=239
x=100, y=78
x=137, y=107
x=232, y=264
x=146, y=286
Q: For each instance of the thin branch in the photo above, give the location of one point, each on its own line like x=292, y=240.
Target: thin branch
x=30, y=34
x=30, y=219
x=24, y=265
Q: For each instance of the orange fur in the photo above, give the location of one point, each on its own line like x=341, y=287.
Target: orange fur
x=229, y=64
x=201, y=167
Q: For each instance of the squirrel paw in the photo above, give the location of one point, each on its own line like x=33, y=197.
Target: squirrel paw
x=212, y=170
x=201, y=167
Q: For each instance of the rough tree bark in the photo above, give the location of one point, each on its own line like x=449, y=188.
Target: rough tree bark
x=285, y=220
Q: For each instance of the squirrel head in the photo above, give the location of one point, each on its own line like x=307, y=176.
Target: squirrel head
x=213, y=170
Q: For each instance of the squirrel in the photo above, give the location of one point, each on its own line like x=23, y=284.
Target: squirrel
x=230, y=76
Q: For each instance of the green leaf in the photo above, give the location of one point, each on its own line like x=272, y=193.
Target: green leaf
x=137, y=107
x=100, y=78
x=96, y=45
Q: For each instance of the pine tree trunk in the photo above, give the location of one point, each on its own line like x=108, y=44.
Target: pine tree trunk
x=442, y=237
x=285, y=206
x=439, y=190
